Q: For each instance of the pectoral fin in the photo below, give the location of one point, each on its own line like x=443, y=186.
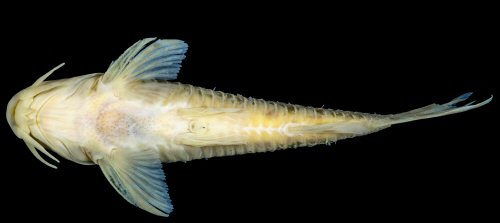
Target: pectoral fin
x=139, y=178
x=148, y=59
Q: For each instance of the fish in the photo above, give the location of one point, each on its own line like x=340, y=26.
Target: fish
x=133, y=118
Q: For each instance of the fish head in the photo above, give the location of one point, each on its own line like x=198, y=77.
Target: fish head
x=22, y=112
x=22, y=118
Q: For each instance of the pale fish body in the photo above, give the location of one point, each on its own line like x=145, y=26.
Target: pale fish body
x=128, y=122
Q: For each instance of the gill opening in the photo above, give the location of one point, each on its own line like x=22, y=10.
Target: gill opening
x=33, y=145
x=45, y=76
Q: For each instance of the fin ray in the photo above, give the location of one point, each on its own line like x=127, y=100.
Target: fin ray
x=138, y=177
x=148, y=59
x=437, y=110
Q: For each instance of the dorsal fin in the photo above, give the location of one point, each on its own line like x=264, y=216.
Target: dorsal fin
x=148, y=59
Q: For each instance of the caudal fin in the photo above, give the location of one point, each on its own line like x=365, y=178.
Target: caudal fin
x=437, y=110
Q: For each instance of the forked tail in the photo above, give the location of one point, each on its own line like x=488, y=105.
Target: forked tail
x=437, y=110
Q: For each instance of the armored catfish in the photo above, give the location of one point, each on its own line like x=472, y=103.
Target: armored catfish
x=131, y=119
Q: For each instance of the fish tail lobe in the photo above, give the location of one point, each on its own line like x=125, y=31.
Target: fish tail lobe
x=437, y=110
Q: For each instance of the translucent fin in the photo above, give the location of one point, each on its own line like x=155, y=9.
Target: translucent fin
x=139, y=178
x=148, y=59
x=437, y=110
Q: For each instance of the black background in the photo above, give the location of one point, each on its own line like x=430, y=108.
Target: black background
x=371, y=60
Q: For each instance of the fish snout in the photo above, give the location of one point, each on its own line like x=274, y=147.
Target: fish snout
x=16, y=120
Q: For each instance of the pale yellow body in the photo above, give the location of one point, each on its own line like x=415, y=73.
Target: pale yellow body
x=182, y=122
x=128, y=122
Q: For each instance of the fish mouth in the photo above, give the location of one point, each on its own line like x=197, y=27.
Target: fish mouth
x=11, y=113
